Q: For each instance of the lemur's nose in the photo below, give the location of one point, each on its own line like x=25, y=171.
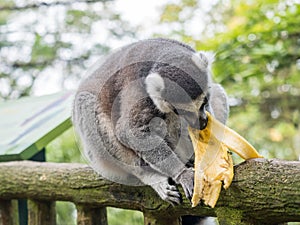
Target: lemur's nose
x=203, y=122
x=197, y=121
x=202, y=119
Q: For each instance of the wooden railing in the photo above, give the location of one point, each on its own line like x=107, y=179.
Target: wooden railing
x=262, y=192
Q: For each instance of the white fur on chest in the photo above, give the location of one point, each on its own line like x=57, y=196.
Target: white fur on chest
x=178, y=131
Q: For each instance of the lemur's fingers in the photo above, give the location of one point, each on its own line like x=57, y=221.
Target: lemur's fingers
x=186, y=180
x=167, y=192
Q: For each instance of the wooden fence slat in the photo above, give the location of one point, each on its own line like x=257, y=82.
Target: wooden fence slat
x=87, y=215
x=41, y=213
x=150, y=219
x=15, y=212
x=6, y=212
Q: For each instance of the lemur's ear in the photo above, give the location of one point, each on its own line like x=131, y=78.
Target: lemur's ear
x=209, y=55
x=203, y=59
x=155, y=85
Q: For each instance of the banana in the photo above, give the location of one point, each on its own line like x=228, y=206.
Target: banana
x=213, y=163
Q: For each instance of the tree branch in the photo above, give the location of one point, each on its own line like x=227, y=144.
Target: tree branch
x=46, y=4
x=262, y=192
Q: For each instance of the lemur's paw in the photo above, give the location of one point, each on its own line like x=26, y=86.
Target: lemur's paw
x=186, y=180
x=168, y=192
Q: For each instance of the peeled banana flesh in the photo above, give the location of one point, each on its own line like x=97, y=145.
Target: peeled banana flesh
x=213, y=162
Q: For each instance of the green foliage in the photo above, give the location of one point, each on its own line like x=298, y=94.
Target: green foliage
x=41, y=51
x=65, y=213
x=257, y=63
x=124, y=217
x=257, y=45
x=63, y=39
x=173, y=13
x=188, y=19
x=65, y=148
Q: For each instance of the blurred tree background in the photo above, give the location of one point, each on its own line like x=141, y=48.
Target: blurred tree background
x=53, y=41
x=257, y=46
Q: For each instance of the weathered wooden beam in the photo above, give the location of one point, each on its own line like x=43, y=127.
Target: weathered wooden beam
x=89, y=215
x=6, y=214
x=9, y=212
x=41, y=212
x=152, y=219
x=262, y=192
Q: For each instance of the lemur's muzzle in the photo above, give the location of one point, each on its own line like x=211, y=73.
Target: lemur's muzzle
x=197, y=121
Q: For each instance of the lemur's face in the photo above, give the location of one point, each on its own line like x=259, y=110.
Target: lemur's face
x=183, y=91
x=194, y=112
x=169, y=96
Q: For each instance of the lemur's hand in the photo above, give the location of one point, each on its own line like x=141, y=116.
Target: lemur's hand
x=186, y=180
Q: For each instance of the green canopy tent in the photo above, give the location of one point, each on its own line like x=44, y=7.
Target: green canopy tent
x=27, y=125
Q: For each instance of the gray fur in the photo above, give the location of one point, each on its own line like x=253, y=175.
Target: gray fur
x=219, y=103
x=155, y=86
x=128, y=134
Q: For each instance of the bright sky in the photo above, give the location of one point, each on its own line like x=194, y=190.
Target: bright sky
x=140, y=12
x=145, y=14
x=137, y=12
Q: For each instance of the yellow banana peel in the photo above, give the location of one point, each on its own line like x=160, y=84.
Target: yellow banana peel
x=213, y=162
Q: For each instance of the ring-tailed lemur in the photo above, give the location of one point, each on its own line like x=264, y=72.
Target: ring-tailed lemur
x=133, y=111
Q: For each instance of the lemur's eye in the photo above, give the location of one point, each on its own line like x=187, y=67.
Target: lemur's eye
x=175, y=111
x=205, y=103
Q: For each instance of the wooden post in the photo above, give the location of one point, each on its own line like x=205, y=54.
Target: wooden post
x=6, y=215
x=41, y=212
x=88, y=215
x=150, y=219
x=22, y=203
